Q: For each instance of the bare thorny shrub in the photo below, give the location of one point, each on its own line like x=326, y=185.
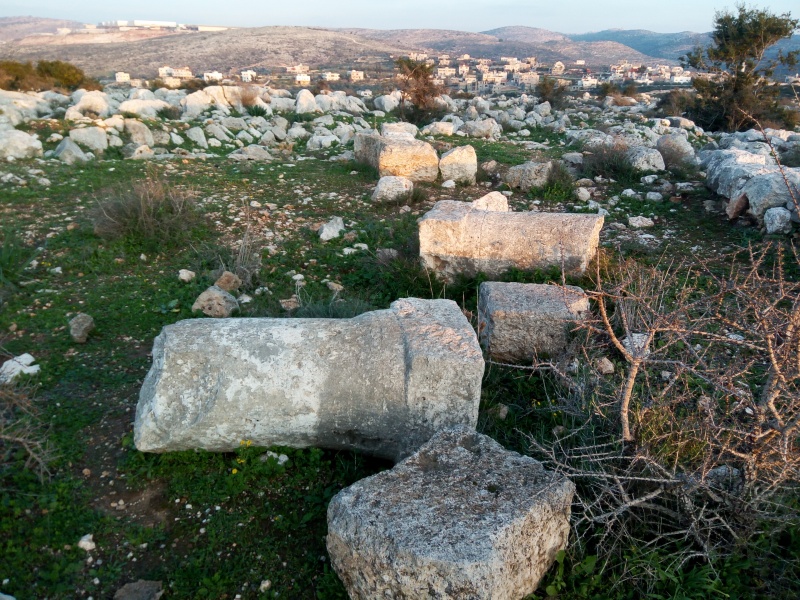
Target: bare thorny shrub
x=21, y=428
x=691, y=447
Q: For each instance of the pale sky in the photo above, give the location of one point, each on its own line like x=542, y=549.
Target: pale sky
x=565, y=16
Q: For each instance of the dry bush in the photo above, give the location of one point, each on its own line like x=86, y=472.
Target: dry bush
x=21, y=428
x=690, y=449
x=151, y=211
x=610, y=162
x=249, y=96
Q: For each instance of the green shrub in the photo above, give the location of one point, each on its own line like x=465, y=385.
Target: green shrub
x=256, y=111
x=559, y=186
x=46, y=75
x=674, y=103
x=549, y=90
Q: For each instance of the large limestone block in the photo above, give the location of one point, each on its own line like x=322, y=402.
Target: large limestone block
x=520, y=321
x=18, y=144
x=642, y=158
x=383, y=382
x=459, y=164
x=93, y=138
x=456, y=238
x=305, y=103
x=528, y=175
x=396, y=155
x=69, y=152
x=393, y=189
x=139, y=132
x=461, y=518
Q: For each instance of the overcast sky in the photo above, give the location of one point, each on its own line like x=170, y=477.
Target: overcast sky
x=565, y=16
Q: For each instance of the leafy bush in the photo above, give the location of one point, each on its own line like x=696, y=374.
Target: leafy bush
x=674, y=103
x=549, y=90
x=740, y=92
x=150, y=212
x=559, y=186
x=257, y=111
x=415, y=80
x=607, y=89
x=46, y=75
x=630, y=90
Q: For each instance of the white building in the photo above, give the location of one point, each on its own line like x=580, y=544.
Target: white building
x=212, y=76
x=172, y=82
x=302, y=78
x=248, y=76
x=495, y=77
x=329, y=76
x=301, y=68
x=463, y=69
x=587, y=82
x=558, y=68
x=444, y=72
x=180, y=72
x=355, y=75
x=530, y=78
x=122, y=77
x=418, y=56
x=683, y=79
x=580, y=63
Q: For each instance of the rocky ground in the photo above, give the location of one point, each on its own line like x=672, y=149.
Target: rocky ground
x=267, y=169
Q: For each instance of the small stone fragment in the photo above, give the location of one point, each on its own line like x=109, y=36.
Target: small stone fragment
x=185, y=275
x=228, y=281
x=80, y=326
x=215, y=302
x=87, y=543
x=605, y=366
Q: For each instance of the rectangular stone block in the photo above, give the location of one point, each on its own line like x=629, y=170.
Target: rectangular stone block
x=397, y=155
x=457, y=238
x=461, y=518
x=518, y=321
x=383, y=382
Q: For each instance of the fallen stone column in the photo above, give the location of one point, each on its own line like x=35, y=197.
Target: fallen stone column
x=383, y=382
x=397, y=155
x=460, y=518
x=458, y=238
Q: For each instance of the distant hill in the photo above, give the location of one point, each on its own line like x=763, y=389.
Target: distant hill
x=259, y=47
x=546, y=46
x=14, y=28
x=661, y=45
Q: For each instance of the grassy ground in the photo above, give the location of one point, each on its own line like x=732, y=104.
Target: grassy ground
x=225, y=525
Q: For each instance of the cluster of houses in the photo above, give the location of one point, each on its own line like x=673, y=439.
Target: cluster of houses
x=463, y=72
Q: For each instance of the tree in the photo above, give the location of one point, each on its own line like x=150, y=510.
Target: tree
x=550, y=90
x=416, y=85
x=740, y=89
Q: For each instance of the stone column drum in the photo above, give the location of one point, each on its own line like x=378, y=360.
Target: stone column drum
x=383, y=382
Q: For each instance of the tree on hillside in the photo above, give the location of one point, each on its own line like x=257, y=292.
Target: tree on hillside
x=740, y=88
x=415, y=81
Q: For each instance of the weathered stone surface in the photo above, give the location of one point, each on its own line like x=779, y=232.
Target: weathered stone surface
x=460, y=165
x=228, y=281
x=675, y=147
x=197, y=135
x=494, y=201
x=93, y=138
x=18, y=144
x=767, y=190
x=645, y=159
x=399, y=128
x=461, y=518
x=80, y=326
x=139, y=132
x=305, y=103
x=383, y=382
x=140, y=590
x=69, y=152
x=331, y=229
x=392, y=189
x=486, y=128
x=16, y=366
x=215, y=302
x=456, y=238
x=778, y=220
x=519, y=321
x=396, y=155
x=528, y=175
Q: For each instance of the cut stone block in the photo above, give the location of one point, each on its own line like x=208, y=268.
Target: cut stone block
x=392, y=189
x=456, y=238
x=383, y=382
x=459, y=164
x=518, y=321
x=461, y=518
x=397, y=155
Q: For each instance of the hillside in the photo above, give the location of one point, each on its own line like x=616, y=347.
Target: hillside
x=661, y=45
x=14, y=28
x=546, y=45
x=261, y=47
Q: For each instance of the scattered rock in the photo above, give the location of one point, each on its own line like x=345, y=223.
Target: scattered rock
x=605, y=366
x=459, y=165
x=185, y=275
x=640, y=222
x=215, y=302
x=392, y=188
x=16, y=366
x=331, y=229
x=228, y=281
x=140, y=590
x=80, y=326
x=87, y=543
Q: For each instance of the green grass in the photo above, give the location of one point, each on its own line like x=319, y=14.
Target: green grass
x=270, y=524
